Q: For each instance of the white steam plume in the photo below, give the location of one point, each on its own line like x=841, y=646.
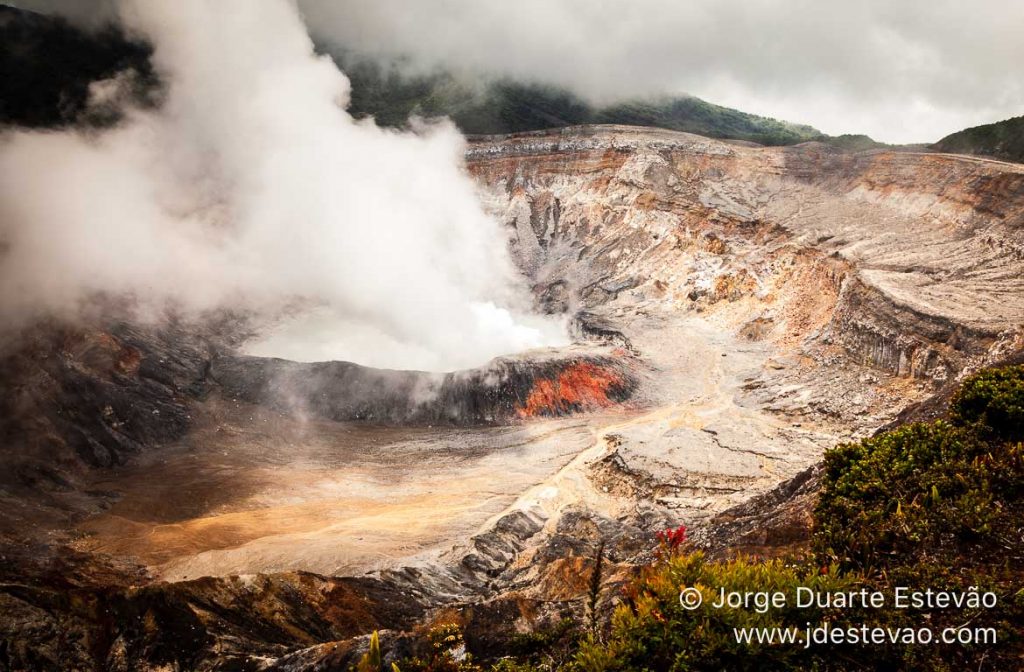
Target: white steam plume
x=250, y=187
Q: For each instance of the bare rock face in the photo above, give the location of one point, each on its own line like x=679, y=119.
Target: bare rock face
x=75, y=401
x=737, y=310
x=909, y=261
x=840, y=287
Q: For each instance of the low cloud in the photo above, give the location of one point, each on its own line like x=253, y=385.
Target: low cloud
x=909, y=71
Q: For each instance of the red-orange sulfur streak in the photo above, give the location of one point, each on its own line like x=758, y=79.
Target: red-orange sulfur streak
x=581, y=385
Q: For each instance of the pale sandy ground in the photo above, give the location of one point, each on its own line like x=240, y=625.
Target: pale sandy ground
x=325, y=497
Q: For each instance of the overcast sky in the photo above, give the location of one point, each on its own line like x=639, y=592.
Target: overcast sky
x=900, y=71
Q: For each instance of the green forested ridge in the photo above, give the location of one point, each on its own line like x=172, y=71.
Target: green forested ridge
x=505, y=106
x=1001, y=140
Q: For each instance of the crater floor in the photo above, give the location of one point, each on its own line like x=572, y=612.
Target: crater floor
x=779, y=299
x=253, y=490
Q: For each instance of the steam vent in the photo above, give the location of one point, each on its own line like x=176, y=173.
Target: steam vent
x=666, y=337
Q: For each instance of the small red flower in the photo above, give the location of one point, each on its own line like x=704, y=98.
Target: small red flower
x=672, y=538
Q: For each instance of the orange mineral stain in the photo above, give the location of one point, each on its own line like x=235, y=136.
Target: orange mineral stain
x=579, y=386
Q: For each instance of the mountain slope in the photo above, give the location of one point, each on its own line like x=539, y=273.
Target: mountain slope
x=1001, y=140
x=505, y=106
x=46, y=66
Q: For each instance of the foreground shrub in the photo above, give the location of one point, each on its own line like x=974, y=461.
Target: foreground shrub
x=947, y=491
x=992, y=400
x=917, y=492
x=938, y=505
x=653, y=630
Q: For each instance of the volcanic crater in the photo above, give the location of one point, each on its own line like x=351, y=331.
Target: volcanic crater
x=736, y=310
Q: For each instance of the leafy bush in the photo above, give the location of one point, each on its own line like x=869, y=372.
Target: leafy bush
x=992, y=400
x=937, y=505
x=948, y=489
x=907, y=492
x=653, y=631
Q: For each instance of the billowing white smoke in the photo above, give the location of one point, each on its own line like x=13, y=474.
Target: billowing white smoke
x=251, y=187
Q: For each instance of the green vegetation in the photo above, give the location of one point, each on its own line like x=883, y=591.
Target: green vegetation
x=854, y=142
x=655, y=632
x=694, y=115
x=906, y=494
x=950, y=492
x=935, y=505
x=1001, y=140
x=505, y=106
x=992, y=402
x=371, y=660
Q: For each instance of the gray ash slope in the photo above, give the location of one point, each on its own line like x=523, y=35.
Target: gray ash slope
x=343, y=391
